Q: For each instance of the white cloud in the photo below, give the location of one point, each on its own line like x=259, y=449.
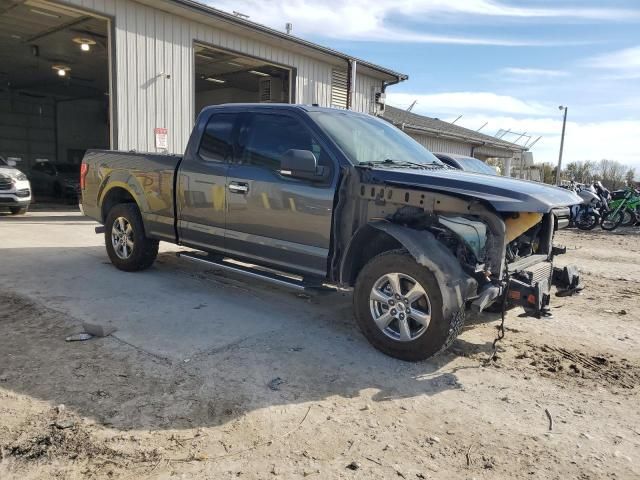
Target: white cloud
x=531, y=74
x=623, y=64
x=366, y=20
x=457, y=103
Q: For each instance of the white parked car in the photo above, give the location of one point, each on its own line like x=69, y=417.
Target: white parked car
x=15, y=189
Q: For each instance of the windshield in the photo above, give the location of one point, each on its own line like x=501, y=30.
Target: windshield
x=469, y=164
x=370, y=140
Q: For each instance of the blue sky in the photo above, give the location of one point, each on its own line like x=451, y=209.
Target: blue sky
x=505, y=62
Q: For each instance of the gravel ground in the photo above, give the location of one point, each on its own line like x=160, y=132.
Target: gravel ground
x=561, y=401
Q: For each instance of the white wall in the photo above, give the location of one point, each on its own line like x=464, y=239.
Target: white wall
x=149, y=41
x=223, y=95
x=436, y=144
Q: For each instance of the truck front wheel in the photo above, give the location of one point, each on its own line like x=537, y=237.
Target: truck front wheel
x=398, y=307
x=127, y=246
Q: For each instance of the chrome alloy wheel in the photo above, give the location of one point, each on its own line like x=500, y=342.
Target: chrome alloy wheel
x=122, y=238
x=400, y=307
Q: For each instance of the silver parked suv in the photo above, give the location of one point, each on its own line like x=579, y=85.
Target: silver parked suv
x=15, y=189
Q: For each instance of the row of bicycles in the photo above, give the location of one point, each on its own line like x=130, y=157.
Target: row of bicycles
x=601, y=207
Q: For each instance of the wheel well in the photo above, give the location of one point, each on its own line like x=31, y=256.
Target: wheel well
x=114, y=197
x=368, y=243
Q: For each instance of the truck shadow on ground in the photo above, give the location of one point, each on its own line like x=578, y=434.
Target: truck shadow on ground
x=318, y=356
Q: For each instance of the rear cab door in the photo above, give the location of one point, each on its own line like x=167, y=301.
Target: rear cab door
x=274, y=219
x=201, y=182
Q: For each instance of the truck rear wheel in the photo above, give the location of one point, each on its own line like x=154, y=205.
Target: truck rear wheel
x=398, y=307
x=127, y=246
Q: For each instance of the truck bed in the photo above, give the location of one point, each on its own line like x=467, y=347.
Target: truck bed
x=147, y=177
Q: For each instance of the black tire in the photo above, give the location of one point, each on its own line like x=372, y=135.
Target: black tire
x=587, y=220
x=143, y=251
x=18, y=210
x=440, y=331
x=610, y=221
x=628, y=218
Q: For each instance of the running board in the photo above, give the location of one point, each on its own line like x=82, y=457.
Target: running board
x=271, y=276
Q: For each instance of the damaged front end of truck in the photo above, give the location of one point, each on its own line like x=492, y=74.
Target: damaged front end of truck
x=488, y=246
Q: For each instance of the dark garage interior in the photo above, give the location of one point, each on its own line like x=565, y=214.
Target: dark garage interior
x=227, y=77
x=54, y=86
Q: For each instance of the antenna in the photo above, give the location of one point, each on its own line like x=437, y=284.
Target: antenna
x=412, y=105
x=288, y=27
x=535, y=141
x=459, y=117
x=501, y=133
x=241, y=15
x=485, y=124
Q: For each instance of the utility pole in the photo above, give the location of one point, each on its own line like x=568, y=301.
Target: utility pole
x=564, y=125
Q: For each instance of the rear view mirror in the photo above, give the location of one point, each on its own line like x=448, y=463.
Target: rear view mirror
x=300, y=164
x=11, y=163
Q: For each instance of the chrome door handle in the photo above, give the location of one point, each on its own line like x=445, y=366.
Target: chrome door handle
x=235, y=187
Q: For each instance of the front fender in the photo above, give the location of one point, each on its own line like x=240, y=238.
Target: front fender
x=456, y=286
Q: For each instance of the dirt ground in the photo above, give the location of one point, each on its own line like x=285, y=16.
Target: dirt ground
x=560, y=402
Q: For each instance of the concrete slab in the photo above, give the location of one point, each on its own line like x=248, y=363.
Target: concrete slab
x=174, y=310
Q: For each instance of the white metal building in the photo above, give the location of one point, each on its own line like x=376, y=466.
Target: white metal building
x=132, y=74
x=440, y=136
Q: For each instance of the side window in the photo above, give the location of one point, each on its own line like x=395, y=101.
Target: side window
x=216, y=144
x=266, y=137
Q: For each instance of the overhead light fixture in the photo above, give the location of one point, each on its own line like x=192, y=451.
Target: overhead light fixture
x=17, y=37
x=61, y=70
x=234, y=64
x=85, y=43
x=46, y=14
x=262, y=74
x=215, y=80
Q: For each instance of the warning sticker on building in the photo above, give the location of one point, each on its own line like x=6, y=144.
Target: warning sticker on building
x=162, y=141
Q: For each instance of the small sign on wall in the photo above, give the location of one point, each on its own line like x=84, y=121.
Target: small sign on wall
x=162, y=142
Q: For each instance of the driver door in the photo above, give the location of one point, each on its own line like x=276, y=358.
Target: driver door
x=273, y=219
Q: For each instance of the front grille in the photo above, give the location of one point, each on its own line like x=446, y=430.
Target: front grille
x=6, y=184
x=25, y=192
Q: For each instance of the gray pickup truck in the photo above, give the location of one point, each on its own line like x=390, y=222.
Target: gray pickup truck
x=314, y=198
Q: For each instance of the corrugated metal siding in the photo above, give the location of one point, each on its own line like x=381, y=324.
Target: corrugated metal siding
x=443, y=145
x=366, y=87
x=494, y=152
x=149, y=41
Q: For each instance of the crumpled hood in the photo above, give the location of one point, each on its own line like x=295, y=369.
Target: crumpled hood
x=503, y=193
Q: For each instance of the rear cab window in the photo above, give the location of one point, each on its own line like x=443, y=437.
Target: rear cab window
x=217, y=139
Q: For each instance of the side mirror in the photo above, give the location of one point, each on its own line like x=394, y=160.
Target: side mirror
x=300, y=164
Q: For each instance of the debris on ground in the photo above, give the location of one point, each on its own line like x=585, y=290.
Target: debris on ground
x=275, y=384
x=98, y=330
x=354, y=466
x=79, y=337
